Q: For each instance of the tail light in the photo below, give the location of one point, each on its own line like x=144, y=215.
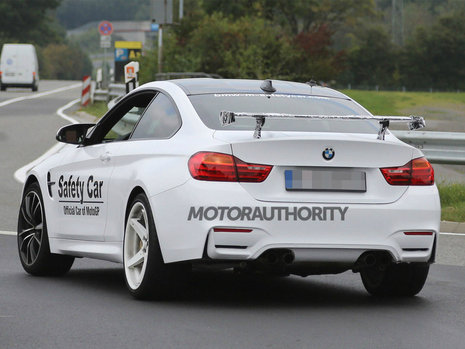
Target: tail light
x=416, y=172
x=208, y=166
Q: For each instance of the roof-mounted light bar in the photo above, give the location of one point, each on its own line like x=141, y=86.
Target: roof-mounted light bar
x=414, y=122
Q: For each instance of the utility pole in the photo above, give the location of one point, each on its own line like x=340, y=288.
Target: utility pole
x=160, y=48
x=181, y=9
x=398, y=22
x=162, y=13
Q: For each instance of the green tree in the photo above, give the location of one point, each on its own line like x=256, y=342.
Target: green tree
x=246, y=48
x=434, y=57
x=296, y=15
x=64, y=62
x=28, y=21
x=373, y=60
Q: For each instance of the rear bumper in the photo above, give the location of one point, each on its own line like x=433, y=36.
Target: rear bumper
x=17, y=82
x=14, y=84
x=185, y=219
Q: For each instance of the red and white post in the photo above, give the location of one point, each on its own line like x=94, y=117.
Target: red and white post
x=85, y=96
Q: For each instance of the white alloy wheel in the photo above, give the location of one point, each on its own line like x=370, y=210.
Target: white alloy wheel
x=136, y=245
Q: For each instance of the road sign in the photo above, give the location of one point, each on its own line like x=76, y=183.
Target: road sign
x=105, y=28
x=105, y=41
x=130, y=71
x=125, y=51
x=162, y=11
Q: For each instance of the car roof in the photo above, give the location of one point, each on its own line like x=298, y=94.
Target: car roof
x=197, y=86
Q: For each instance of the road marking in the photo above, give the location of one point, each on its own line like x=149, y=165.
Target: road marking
x=61, y=110
x=37, y=95
x=13, y=233
x=21, y=174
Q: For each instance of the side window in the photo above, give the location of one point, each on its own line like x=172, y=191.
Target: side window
x=123, y=128
x=119, y=124
x=160, y=120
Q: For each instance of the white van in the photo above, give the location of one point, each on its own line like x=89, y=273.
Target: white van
x=19, y=66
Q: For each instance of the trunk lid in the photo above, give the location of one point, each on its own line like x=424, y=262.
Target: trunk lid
x=301, y=174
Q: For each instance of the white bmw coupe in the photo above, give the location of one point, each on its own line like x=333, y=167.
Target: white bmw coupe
x=262, y=176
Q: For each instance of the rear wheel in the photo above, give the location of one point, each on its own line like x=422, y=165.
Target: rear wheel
x=147, y=276
x=404, y=279
x=33, y=245
x=2, y=87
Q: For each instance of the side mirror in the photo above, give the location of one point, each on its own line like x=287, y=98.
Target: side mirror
x=73, y=134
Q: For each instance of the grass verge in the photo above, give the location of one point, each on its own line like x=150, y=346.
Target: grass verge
x=452, y=202
x=97, y=109
x=388, y=102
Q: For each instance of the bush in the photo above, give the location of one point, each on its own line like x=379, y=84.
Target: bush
x=63, y=62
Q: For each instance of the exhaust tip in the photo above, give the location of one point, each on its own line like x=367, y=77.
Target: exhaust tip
x=288, y=257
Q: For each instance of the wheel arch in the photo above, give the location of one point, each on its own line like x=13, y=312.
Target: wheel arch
x=30, y=179
x=135, y=191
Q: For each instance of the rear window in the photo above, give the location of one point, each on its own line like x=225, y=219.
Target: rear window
x=209, y=106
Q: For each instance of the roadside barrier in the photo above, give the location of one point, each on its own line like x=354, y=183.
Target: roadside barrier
x=85, y=95
x=438, y=147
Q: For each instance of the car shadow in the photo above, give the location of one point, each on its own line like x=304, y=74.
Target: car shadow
x=229, y=289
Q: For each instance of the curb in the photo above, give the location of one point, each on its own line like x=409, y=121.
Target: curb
x=452, y=227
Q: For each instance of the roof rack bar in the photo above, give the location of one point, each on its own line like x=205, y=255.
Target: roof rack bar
x=414, y=122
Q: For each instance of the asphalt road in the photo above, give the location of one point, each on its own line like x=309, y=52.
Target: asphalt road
x=90, y=306
x=27, y=130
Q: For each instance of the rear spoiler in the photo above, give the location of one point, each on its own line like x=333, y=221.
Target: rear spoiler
x=414, y=122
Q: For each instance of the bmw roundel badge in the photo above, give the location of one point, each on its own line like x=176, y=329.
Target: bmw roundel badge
x=328, y=153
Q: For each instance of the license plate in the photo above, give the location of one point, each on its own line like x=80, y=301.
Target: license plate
x=325, y=180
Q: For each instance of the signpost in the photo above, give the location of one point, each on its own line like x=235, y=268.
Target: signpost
x=105, y=29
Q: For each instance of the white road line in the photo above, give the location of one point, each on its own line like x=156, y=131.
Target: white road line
x=7, y=233
x=61, y=110
x=21, y=174
x=37, y=95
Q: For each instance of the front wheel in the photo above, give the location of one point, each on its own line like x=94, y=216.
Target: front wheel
x=402, y=280
x=33, y=245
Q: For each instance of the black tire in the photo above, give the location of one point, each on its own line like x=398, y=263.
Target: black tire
x=33, y=244
x=2, y=87
x=399, y=280
x=151, y=278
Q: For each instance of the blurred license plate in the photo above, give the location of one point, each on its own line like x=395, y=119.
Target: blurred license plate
x=325, y=180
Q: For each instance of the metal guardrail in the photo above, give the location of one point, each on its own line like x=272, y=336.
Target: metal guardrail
x=185, y=75
x=116, y=90
x=100, y=95
x=113, y=91
x=438, y=147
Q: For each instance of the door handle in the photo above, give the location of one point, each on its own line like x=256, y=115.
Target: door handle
x=105, y=157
